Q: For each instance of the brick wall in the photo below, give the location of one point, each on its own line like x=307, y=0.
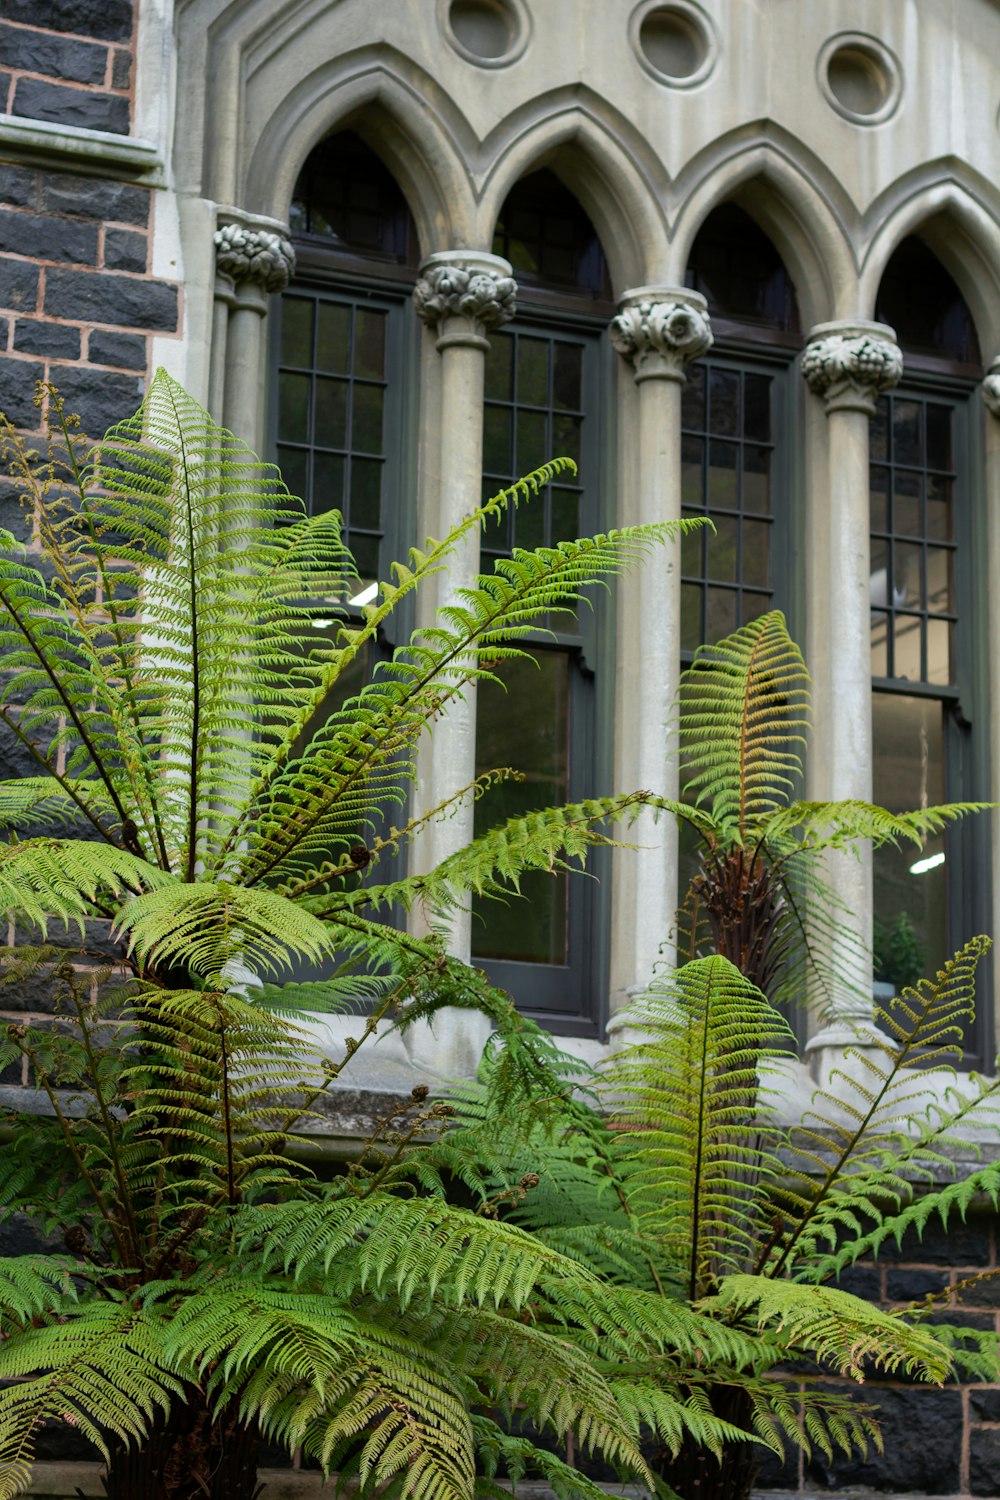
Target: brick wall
x=77, y=302
x=937, y=1441
x=69, y=62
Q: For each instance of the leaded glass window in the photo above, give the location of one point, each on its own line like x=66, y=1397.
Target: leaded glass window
x=336, y=419
x=727, y=457
x=913, y=539
x=541, y=401
x=533, y=412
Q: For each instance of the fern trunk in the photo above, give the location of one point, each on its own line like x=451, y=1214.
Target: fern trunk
x=188, y=1456
x=695, y=1474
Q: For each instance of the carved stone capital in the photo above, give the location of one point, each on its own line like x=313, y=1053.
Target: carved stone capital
x=660, y=330
x=463, y=295
x=990, y=389
x=257, y=255
x=851, y=364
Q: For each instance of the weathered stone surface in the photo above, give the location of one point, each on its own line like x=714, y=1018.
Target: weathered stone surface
x=18, y=285
x=109, y=298
x=48, y=238
x=30, y=51
x=125, y=250
x=100, y=398
x=82, y=109
x=58, y=340
x=922, y=1430
x=984, y=1462
x=17, y=391
x=95, y=198
x=13, y=516
x=121, y=69
x=960, y=1244
x=19, y=186
x=108, y=20
x=861, y=1281
x=905, y=1285
x=128, y=349
x=985, y=1404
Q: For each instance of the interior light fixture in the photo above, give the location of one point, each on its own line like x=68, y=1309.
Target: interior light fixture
x=930, y=863
x=322, y=624
x=366, y=596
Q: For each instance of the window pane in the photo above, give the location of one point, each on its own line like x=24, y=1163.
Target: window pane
x=910, y=883
x=912, y=544
x=565, y=516
x=724, y=403
x=567, y=373
x=331, y=413
x=293, y=408
x=533, y=372
x=366, y=423
x=296, y=332
x=526, y=728
x=328, y=483
x=532, y=441
x=500, y=368
x=906, y=444
x=369, y=344
x=730, y=480
x=294, y=466
x=333, y=339
x=691, y=636
x=497, y=456
x=366, y=493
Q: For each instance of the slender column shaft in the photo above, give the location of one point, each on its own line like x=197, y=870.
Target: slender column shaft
x=658, y=331
x=250, y=263
x=848, y=365
x=461, y=296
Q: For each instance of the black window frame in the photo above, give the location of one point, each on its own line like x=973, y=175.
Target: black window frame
x=583, y=979
x=964, y=702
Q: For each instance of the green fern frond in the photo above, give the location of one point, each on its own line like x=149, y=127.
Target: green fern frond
x=834, y=1327
x=690, y=1121
x=745, y=707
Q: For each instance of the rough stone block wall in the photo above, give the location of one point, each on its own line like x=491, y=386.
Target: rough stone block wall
x=69, y=62
x=77, y=302
x=937, y=1441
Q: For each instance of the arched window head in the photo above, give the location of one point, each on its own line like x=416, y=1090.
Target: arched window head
x=549, y=240
x=346, y=200
x=740, y=273
x=921, y=302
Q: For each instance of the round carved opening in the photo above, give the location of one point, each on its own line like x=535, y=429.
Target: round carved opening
x=485, y=31
x=674, y=43
x=860, y=78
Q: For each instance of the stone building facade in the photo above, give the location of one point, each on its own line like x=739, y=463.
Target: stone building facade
x=739, y=258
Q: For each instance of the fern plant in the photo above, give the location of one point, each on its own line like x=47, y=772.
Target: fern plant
x=681, y=1184
x=760, y=893
x=196, y=789
x=680, y=1181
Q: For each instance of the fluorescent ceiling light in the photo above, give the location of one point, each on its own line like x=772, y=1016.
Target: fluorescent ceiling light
x=366, y=596
x=322, y=624
x=930, y=863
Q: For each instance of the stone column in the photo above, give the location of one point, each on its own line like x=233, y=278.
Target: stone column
x=991, y=400
x=847, y=365
x=657, y=331
x=461, y=296
x=250, y=263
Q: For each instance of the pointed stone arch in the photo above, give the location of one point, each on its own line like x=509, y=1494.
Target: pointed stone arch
x=783, y=196
x=388, y=108
x=964, y=236
x=610, y=177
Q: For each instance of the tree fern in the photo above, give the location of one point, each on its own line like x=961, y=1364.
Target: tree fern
x=227, y=823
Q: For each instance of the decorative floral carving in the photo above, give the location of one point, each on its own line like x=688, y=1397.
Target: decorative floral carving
x=851, y=368
x=660, y=338
x=990, y=389
x=254, y=255
x=482, y=297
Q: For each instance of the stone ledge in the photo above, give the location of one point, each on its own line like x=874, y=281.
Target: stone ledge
x=39, y=143
x=65, y=1481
